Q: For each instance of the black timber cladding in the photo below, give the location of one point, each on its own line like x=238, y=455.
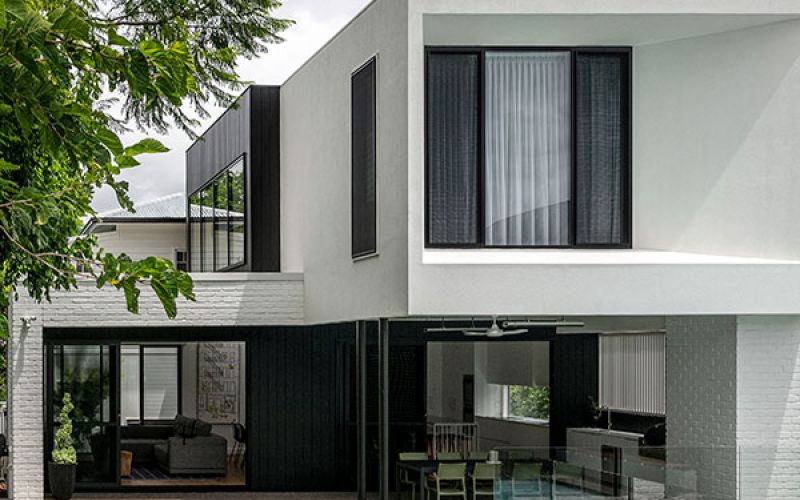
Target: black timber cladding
x=250, y=129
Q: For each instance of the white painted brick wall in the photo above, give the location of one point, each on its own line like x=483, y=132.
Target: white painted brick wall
x=235, y=299
x=701, y=404
x=768, y=414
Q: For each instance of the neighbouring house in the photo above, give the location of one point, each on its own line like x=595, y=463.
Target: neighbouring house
x=157, y=228
x=555, y=236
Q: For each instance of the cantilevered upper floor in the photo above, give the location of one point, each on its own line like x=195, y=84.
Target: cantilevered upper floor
x=534, y=157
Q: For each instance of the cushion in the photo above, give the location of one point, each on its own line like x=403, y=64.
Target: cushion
x=202, y=428
x=184, y=426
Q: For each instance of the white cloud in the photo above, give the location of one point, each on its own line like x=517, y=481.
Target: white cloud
x=316, y=22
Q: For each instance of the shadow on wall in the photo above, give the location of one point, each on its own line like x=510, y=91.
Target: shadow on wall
x=715, y=133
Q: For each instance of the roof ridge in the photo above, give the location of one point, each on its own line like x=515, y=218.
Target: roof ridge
x=120, y=210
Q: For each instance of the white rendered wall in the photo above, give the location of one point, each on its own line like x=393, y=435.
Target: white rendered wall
x=145, y=240
x=768, y=406
x=638, y=282
x=316, y=166
x=715, y=145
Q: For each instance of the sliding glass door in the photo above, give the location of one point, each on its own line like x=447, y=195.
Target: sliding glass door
x=89, y=373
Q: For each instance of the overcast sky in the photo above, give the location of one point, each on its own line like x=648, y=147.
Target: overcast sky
x=316, y=22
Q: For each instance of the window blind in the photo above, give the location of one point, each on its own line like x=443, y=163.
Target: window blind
x=632, y=373
x=160, y=383
x=453, y=137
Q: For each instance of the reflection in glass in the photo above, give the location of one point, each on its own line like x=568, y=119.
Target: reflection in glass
x=194, y=229
x=207, y=203
x=84, y=371
x=221, y=222
x=129, y=384
x=237, y=213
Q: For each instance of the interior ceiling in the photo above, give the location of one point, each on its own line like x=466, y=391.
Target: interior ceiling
x=633, y=30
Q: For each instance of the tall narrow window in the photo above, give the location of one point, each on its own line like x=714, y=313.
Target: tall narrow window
x=601, y=147
x=194, y=231
x=452, y=115
x=236, y=238
x=363, y=151
x=207, y=215
x=221, y=222
x=528, y=148
x=160, y=383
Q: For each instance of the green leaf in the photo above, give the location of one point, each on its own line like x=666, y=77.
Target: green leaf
x=131, y=295
x=3, y=327
x=7, y=166
x=126, y=161
x=3, y=20
x=115, y=38
x=16, y=8
x=166, y=294
x=146, y=146
x=110, y=140
x=69, y=22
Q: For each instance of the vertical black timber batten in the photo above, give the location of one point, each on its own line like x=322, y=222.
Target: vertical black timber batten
x=295, y=409
x=248, y=129
x=265, y=174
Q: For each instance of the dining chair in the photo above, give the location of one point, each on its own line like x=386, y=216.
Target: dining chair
x=484, y=477
x=479, y=455
x=448, y=456
x=526, y=480
x=520, y=455
x=567, y=478
x=405, y=478
x=449, y=480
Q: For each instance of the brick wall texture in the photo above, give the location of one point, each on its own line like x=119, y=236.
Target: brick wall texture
x=221, y=301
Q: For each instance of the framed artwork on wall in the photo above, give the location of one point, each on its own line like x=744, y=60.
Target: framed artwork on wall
x=218, y=368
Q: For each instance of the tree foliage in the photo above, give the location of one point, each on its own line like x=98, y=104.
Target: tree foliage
x=530, y=401
x=74, y=76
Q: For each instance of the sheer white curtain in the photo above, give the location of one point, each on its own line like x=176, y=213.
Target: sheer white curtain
x=528, y=148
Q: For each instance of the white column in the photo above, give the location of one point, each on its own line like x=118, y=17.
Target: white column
x=701, y=405
x=26, y=402
x=768, y=406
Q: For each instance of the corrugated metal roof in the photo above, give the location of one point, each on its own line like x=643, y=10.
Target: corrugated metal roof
x=172, y=206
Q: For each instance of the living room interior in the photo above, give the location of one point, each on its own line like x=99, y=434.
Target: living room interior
x=182, y=410
x=154, y=414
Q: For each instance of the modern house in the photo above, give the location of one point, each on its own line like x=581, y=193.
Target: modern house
x=454, y=211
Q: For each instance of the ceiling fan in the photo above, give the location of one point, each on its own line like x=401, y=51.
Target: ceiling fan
x=493, y=332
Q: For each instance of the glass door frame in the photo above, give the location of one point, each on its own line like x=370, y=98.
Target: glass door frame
x=113, y=422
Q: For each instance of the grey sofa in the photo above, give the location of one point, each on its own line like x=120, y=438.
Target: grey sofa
x=141, y=440
x=193, y=455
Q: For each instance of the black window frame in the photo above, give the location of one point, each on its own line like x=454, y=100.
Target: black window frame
x=627, y=137
x=212, y=183
x=356, y=254
x=142, y=349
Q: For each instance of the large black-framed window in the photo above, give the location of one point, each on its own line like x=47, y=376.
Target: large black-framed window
x=364, y=158
x=217, y=221
x=150, y=383
x=528, y=147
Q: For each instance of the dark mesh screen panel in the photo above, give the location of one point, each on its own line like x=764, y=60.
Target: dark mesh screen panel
x=602, y=128
x=363, y=209
x=453, y=127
